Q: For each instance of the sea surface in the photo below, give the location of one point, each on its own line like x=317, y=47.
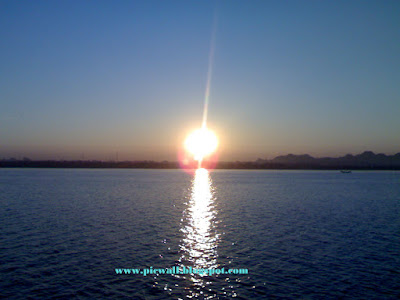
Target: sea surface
x=300, y=234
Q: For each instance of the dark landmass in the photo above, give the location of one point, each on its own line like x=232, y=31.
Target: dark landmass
x=87, y=164
x=365, y=161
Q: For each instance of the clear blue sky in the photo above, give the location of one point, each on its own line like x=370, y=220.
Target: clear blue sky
x=95, y=78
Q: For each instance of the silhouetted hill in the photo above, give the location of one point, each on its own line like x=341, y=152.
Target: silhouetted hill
x=364, y=161
x=292, y=159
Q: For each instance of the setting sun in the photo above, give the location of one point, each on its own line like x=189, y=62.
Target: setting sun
x=201, y=142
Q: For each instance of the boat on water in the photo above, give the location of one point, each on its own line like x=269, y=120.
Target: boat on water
x=345, y=171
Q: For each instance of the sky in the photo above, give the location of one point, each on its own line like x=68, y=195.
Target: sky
x=126, y=80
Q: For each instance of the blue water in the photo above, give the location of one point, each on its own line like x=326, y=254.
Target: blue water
x=300, y=234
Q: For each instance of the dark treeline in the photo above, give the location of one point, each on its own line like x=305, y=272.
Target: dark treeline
x=365, y=161
x=87, y=164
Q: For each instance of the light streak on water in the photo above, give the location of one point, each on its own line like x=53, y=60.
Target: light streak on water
x=199, y=245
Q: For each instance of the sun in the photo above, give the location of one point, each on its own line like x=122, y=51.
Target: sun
x=201, y=143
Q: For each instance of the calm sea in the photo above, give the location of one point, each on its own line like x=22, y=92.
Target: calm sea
x=300, y=234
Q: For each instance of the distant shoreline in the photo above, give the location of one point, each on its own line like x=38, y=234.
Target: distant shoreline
x=172, y=166
x=364, y=161
x=221, y=169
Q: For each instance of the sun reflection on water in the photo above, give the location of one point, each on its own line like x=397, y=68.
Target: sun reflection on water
x=199, y=245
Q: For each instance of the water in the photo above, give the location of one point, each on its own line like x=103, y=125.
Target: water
x=301, y=234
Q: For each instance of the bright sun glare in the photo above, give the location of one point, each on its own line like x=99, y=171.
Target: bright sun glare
x=201, y=142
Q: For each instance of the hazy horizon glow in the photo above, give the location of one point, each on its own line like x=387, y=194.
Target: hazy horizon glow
x=129, y=81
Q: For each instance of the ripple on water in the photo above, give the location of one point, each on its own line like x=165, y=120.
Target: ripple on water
x=300, y=234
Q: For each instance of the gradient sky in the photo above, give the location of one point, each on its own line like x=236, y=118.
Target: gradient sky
x=89, y=79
